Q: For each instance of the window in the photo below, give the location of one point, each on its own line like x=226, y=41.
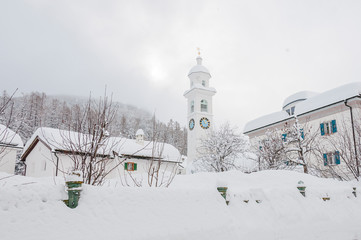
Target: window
x=292, y=110
x=328, y=128
x=192, y=106
x=130, y=166
x=331, y=158
x=203, y=83
x=284, y=137
x=204, y=106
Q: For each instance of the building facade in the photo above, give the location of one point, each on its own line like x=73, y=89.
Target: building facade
x=54, y=152
x=11, y=146
x=199, y=109
x=331, y=119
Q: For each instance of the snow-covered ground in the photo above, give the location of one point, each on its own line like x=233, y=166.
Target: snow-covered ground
x=191, y=208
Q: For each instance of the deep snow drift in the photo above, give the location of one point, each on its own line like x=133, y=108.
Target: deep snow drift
x=191, y=208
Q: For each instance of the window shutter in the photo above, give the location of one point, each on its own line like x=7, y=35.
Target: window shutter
x=302, y=134
x=135, y=166
x=337, y=157
x=322, y=128
x=126, y=166
x=325, y=159
x=284, y=137
x=334, y=127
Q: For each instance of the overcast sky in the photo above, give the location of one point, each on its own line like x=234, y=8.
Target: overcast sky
x=258, y=52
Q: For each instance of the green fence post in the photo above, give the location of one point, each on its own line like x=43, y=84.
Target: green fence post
x=74, y=186
x=223, y=192
x=302, y=188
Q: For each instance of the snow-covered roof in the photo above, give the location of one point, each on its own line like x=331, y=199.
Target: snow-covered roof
x=59, y=140
x=299, y=96
x=126, y=146
x=329, y=97
x=9, y=137
x=266, y=120
x=315, y=102
x=200, y=86
x=139, y=132
x=199, y=67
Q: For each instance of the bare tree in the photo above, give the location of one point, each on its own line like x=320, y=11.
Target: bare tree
x=300, y=144
x=345, y=147
x=7, y=136
x=271, y=151
x=159, y=171
x=90, y=147
x=221, y=150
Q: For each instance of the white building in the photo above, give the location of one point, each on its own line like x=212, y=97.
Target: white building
x=11, y=146
x=199, y=109
x=49, y=153
x=331, y=115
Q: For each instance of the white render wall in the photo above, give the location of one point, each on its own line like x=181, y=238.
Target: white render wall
x=338, y=112
x=41, y=162
x=8, y=159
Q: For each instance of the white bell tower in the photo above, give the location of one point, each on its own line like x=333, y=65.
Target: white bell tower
x=199, y=105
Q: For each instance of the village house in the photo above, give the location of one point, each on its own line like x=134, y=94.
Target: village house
x=333, y=117
x=11, y=146
x=51, y=152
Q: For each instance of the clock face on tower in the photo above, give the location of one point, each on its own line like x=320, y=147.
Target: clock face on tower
x=191, y=124
x=205, y=123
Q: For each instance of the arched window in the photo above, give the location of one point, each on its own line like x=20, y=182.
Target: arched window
x=204, y=106
x=192, y=106
x=204, y=83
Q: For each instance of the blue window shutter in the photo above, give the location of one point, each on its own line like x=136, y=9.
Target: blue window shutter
x=337, y=157
x=325, y=159
x=334, y=127
x=302, y=133
x=322, y=128
x=284, y=137
x=126, y=166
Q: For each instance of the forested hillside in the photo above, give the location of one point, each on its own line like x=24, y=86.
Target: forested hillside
x=33, y=110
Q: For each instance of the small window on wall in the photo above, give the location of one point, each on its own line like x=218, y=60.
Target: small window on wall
x=130, y=166
x=192, y=106
x=331, y=158
x=292, y=110
x=204, y=106
x=328, y=127
x=203, y=83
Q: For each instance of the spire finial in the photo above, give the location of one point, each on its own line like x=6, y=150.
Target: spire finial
x=199, y=58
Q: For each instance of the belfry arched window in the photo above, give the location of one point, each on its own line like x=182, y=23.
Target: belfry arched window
x=192, y=106
x=204, y=106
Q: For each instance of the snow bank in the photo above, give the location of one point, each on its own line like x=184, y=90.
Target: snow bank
x=190, y=209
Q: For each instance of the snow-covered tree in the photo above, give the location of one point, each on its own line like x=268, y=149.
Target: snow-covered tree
x=300, y=144
x=221, y=150
x=271, y=151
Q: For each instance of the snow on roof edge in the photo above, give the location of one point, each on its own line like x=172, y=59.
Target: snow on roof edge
x=321, y=100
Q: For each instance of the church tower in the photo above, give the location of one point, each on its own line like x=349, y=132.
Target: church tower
x=199, y=102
